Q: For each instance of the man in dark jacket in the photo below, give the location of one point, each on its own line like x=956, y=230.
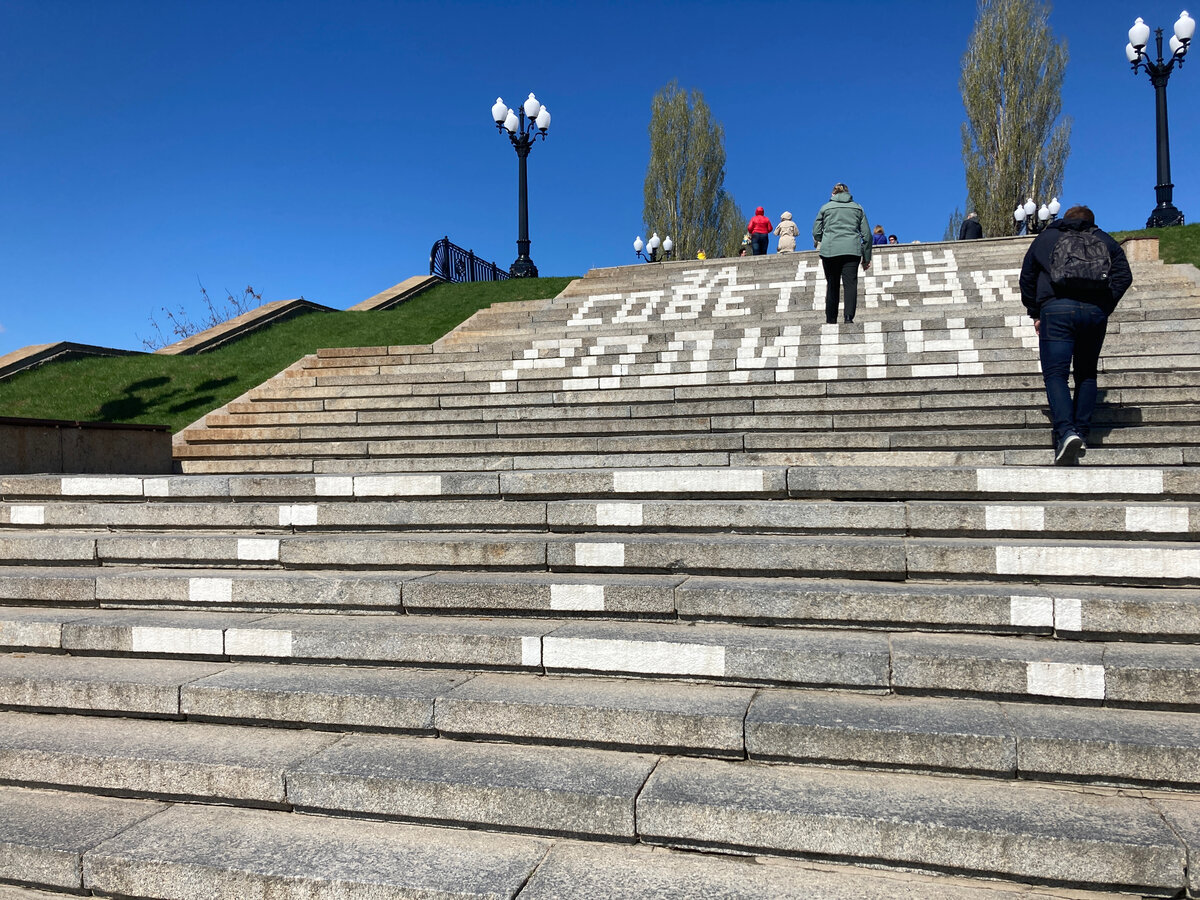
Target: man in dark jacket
x=971, y=229
x=1070, y=316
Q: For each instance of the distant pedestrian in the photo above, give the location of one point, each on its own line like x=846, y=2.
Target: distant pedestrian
x=892, y=239
x=760, y=231
x=786, y=231
x=971, y=229
x=1072, y=278
x=878, y=237
x=844, y=236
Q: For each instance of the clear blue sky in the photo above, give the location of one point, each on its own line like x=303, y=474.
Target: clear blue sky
x=318, y=148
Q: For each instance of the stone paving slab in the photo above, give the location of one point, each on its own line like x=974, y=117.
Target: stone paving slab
x=97, y=684
x=44, y=835
x=379, y=698
x=648, y=873
x=149, y=758
x=560, y=791
x=978, y=827
x=720, y=651
x=1184, y=816
x=544, y=594
x=191, y=851
x=637, y=715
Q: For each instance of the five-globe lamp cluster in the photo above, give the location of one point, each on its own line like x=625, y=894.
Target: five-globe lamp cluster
x=1024, y=215
x=524, y=125
x=652, y=247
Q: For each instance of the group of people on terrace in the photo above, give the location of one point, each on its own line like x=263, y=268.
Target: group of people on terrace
x=1072, y=278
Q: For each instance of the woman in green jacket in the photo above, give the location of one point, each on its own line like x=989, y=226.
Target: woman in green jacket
x=844, y=236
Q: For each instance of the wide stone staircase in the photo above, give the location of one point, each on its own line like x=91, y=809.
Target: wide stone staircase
x=660, y=588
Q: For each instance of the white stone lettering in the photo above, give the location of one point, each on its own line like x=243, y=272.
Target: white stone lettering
x=1079, y=682
x=577, y=597
x=1032, y=612
x=608, y=555
x=258, y=642
x=210, y=590
x=643, y=657
x=254, y=549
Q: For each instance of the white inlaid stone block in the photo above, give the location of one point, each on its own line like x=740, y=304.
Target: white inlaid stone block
x=210, y=590
x=1099, y=562
x=156, y=487
x=646, y=657
x=1015, y=518
x=397, y=485
x=86, y=487
x=304, y=514
x=27, y=515
x=1156, y=518
x=619, y=514
x=497, y=387
x=334, y=486
x=1017, y=479
x=695, y=481
x=255, y=549
x=1068, y=614
x=608, y=555
x=208, y=641
x=258, y=642
x=1032, y=612
x=1076, y=681
x=531, y=651
x=577, y=597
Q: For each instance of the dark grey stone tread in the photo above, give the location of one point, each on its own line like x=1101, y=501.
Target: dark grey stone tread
x=1019, y=831
x=44, y=835
x=250, y=853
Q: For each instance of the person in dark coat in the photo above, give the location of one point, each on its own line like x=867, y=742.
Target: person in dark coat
x=1071, y=323
x=971, y=229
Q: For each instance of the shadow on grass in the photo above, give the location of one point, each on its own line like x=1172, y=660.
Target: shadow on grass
x=136, y=400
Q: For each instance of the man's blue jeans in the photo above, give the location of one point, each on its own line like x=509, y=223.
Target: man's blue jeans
x=1071, y=331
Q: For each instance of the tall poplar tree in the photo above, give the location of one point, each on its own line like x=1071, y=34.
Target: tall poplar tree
x=685, y=194
x=1014, y=142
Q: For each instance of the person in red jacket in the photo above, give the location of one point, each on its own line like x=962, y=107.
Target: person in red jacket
x=760, y=228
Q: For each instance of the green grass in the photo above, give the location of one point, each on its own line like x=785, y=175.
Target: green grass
x=1180, y=244
x=177, y=390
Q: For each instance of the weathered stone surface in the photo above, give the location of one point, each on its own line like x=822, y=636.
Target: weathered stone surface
x=163, y=759
x=61, y=586
x=152, y=632
x=393, y=699
x=1025, y=831
x=415, y=551
x=568, y=595
x=1119, y=746
x=97, y=684
x=44, y=834
x=192, y=851
x=1165, y=674
x=599, y=712
x=896, y=732
x=720, y=651
x=647, y=873
x=559, y=790
x=1183, y=815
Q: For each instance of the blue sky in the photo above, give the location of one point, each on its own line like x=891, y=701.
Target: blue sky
x=318, y=148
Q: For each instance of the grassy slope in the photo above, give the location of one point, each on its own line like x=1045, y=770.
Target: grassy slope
x=177, y=390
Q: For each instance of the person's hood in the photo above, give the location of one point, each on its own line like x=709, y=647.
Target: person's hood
x=786, y=215
x=1070, y=225
x=842, y=197
x=759, y=211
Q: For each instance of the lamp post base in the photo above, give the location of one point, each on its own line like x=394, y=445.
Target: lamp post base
x=1164, y=216
x=523, y=267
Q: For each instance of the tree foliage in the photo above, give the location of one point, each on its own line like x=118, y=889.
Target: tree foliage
x=685, y=194
x=1014, y=142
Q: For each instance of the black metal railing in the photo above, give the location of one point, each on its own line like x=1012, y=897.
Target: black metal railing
x=452, y=263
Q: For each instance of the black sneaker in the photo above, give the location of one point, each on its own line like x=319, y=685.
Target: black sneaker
x=1068, y=450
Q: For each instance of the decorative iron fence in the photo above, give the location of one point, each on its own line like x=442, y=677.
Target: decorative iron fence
x=450, y=262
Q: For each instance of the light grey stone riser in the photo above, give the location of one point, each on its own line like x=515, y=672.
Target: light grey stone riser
x=41, y=600
x=886, y=412
x=822, y=482
x=1120, y=457
x=983, y=429
x=1093, y=519
x=172, y=848
x=579, y=792
x=1119, y=674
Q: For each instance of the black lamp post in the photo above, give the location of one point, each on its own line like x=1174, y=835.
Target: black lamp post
x=1164, y=212
x=529, y=122
x=1034, y=219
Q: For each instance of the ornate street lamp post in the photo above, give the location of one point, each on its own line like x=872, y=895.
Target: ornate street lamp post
x=653, y=246
x=1164, y=212
x=529, y=122
x=1024, y=215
